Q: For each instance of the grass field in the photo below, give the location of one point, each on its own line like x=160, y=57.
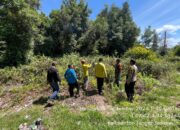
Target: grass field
x=156, y=107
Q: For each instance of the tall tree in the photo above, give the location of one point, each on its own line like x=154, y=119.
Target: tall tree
x=122, y=31
x=34, y=3
x=163, y=49
x=155, y=41
x=16, y=29
x=95, y=39
x=130, y=29
x=2, y=49
x=41, y=40
x=147, y=36
x=68, y=25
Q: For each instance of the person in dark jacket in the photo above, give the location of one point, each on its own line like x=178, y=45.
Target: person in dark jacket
x=70, y=76
x=53, y=78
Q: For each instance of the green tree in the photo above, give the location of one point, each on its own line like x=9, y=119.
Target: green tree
x=34, y=3
x=16, y=28
x=177, y=50
x=147, y=37
x=155, y=41
x=122, y=31
x=163, y=50
x=2, y=49
x=68, y=24
x=41, y=39
x=95, y=39
x=130, y=30
x=115, y=31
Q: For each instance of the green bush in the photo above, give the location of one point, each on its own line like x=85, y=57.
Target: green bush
x=148, y=81
x=35, y=72
x=139, y=52
x=156, y=69
x=177, y=50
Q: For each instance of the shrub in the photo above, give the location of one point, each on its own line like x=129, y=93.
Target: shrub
x=155, y=69
x=148, y=81
x=173, y=59
x=35, y=72
x=177, y=50
x=139, y=52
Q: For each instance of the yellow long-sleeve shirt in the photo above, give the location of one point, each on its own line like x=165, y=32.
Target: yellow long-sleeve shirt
x=85, y=69
x=100, y=70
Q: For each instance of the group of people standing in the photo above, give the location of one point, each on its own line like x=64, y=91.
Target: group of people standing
x=100, y=73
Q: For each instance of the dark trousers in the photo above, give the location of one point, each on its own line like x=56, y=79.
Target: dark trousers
x=117, y=79
x=100, y=82
x=129, y=88
x=71, y=88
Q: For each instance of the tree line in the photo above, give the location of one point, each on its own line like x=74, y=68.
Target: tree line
x=25, y=31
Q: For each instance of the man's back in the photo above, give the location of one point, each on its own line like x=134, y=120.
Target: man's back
x=70, y=75
x=85, y=69
x=100, y=70
x=52, y=75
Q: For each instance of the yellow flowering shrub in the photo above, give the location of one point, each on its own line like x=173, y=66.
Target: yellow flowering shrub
x=140, y=52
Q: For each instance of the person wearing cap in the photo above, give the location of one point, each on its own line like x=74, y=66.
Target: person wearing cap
x=118, y=69
x=131, y=79
x=70, y=76
x=53, y=78
x=85, y=68
x=101, y=74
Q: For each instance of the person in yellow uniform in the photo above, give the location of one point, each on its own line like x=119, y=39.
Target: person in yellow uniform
x=101, y=74
x=85, y=68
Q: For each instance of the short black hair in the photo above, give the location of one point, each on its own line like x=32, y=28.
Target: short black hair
x=118, y=60
x=100, y=59
x=69, y=66
x=133, y=61
x=53, y=64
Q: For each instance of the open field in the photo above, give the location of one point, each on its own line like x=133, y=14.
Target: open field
x=23, y=94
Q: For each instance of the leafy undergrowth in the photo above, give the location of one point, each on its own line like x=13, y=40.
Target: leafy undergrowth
x=23, y=96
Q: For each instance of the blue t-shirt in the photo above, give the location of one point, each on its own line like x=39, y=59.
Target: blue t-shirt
x=70, y=76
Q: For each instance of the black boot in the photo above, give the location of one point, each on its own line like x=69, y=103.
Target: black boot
x=131, y=99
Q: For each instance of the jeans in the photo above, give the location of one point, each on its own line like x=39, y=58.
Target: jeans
x=100, y=82
x=55, y=88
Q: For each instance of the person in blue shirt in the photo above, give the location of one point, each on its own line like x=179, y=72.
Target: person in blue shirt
x=71, y=78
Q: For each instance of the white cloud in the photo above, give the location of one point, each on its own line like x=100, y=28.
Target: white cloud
x=170, y=28
x=171, y=42
x=174, y=38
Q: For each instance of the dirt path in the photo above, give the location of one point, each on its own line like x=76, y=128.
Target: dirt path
x=90, y=101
